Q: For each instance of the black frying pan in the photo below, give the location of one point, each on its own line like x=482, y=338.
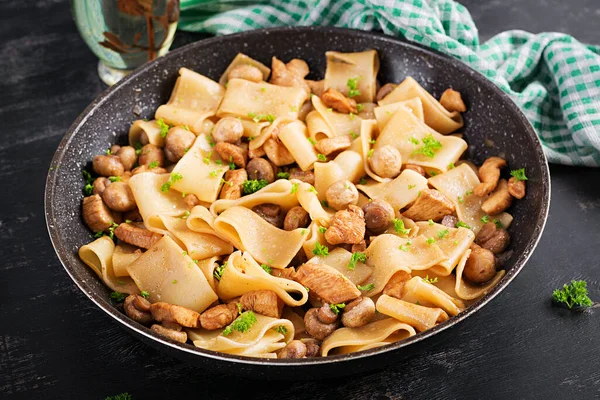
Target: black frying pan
x=491, y=115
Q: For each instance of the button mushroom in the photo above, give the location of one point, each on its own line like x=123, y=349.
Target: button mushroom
x=259, y=168
x=247, y=72
x=232, y=154
x=358, y=312
x=137, y=235
x=450, y=221
x=100, y=184
x=341, y=194
x=340, y=103
x=386, y=161
x=346, y=226
x=480, y=266
x=173, y=313
x=294, y=349
x=178, y=336
x=138, y=309
x=516, y=188
x=119, y=197
x=128, y=157
x=265, y=302
x=108, y=165
x=96, y=215
x=270, y=213
x=327, y=283
x=151, y=155
x=232, y=188
x=145, y=168
x=296, y=218
x=178, y=142
x=326, y=314
x=379, y=214
x=431, y=204
x=452, y=101
x=316, y=328
x=493, y=238
x=219, y=316
x=228, y=130
x=384, y=91
x=499, y=200
x=489, y=174
x=312, y=348
x=304, y=176
x=417, y=168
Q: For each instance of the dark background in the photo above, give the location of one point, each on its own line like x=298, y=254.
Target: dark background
x=54, y=343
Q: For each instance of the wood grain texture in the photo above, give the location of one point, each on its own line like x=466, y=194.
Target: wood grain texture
x=54, y=343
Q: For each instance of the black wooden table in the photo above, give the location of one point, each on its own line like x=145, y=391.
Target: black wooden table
x=54, y=343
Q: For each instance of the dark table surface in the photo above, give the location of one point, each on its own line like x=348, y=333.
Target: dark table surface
x=54, y=343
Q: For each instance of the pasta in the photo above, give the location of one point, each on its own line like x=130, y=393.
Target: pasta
x=251, y=219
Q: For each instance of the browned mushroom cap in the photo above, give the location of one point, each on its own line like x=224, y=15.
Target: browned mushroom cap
x=326, y=314
x=96, y=215
x=379, y=214
x=259, y=168
x=296, y=218
x=128, y=157
x=119, y=197
x=108, y=165
x=178, y=336
x=271, y=213
x=358, y=313
x=138, y=309
x=341, y=194
x=145, y=168
x=294, y=349
x=481, y=266
x=493, y=238
x=316, y=328
x=313, y=349
x=386, y=161
x=152, y=155
x=228, y=130
x=304, y=176
x=178, y=142
x=170, y=312
x=100, y=184
x=385, y=90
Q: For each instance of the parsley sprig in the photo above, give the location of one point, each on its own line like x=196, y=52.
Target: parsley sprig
x=336, y=308
x=242, y=324
x=356, y=257
x=320, y=250
x=368, y=287
x=400, y=228
x=352, y=87
x=429, y=148
x=253, y=185
x=573, y=294
x=164, y=127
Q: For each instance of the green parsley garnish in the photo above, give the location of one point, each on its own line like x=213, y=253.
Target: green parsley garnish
x=138, y=148
x=352, y=85
x=257, y=118
x=153, y=164
x=460, y=199
x=164, y=127
x=461, y=224
x=214, y=173
x=283, y=175
x=120, y=396
x=414, y=140
x=89, y=183
x=430, y=146
x=311, y=141
x=356, y=257
x=360, y=107
x=207, y=158
x=337, y=307
x=176, y=176
x=108, y=152
x=430, y=241
x=399, y=227
x=266, y=268
x=519, y=174
x=451, y=165
x=165, y=186
x=362, y=181
x=372, y=141
x=368, y=287
x=430, y=222
x=312, y=189
x=573, y=294
x=427, y=279
x=404, y=247
x=498, y=223
x=321, y=157
x=432, y=173
x=114, y=178
x=322, y=229
x=218, y=272
x=353, y=135
x=370, y=153
x=411, y=186
x=118, y=297
x=324, y=203
x=443, y=233
x=320, y=250
x=174, y=282
x=185, y=215
x=242, y=324
x=145, y=294
x=485, y=219
x=253, y=185
x=281, y=329
x=294, y=188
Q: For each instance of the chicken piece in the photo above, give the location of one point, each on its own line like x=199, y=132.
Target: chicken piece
x=286, y=273
x=96, y=214
x=233, y=187
x=265, y=302
x=288, y=75
x=340, y=103
x=304, y=176
x=499, y=200
x=219, y=316
x=162, y=311
x=452, y=101
x=431, y=204
x=331, y=145
x=395, y=286
x=327, y=283
x=347, y=226
x=137, y=235
x=231, y=153
x=489, y=173
x=277, y=153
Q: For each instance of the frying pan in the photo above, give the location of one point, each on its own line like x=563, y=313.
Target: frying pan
x=491, y=118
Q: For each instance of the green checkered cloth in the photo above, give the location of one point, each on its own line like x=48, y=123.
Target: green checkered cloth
x=553, y=78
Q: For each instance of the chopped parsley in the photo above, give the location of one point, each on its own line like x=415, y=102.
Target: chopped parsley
x=281, y=329
x=207, y=158
x=138, y=148
x=322, y=229
x=114, y=178
x=399, y=227
x=443, y=233
x=218, y=272
x=498, y=223
x=337, y=307
x=312, y=189
x=111, y=231
x=430, y=241
x=360, y=107
x=164, y=127
x=356, y=257
x=185, y=215
x=242, y=324
x=108, y=152
x=89, y=183
x=573, y=294
x=267, y=268
x=312, y=141
x=253, y=185
x=411, y=186
x=519, y=174
x=461, y=224
x=430, y=146
x=118, y=297
x=370, y=153
x=176, y=177
x=145, y=294
x=368, y=287
x=451, y=165
x=372, y=141
x=352, y=87
x=294, y=188
x=430, y=222
x=120, y=396
x=153, y=164
x=485, y=219
x=427, y=279
x=414, y=140
x=283, y=175
x=324, y=203
x=214, y=173
x=321, y=157
x=174, y=282
x=353, y=134
x=257, y=118
x=320, y=250
x=405, y=247
x=432, y=173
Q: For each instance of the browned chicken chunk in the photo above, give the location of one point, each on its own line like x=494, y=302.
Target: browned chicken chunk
x=265, y=302
x=340, y=103
x=332, y=145
x=347, y=226
x=431, y=204
x=327, y=283
x=219, y=316
x=170, y=312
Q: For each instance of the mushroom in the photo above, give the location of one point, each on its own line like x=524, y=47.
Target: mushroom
x=332, y=145
x=178, y=142
x=384, y=91
x=316, y=328
x=359, y=247
x=145, y=168
x=173, y=313
x=386, y=161
x=233, y=187
x=417, y=168
x=304, y=176
x=327, y=283
x=312, y=348
x=151, y=155
x=178, y=336
x=516, y=188
x=489, y=174
x=247, y=72
x=100, y=184
x=138, y=309
x=316, y=87
x=480, y=266
x=96, y=215
x=137, y=235
x=265, y=302
x=499, y=200
x=493, y=238
x=108, y=165
x=228, y=130
x=133, y=215
x=326, y=314
x=450, y=221
x=270, y=213
x=232, y=153
x=452, y=101
x=340, y=103
x=379, y=214
x=341, y=194
x=219, y=316
x=347, y=226
x=119, y=197
x=191, y=200
x=291, y=75
x=259, y=168
x=277, y=152
x=431, y=204
x=128, y=157
x=294, y=349
x=358, y=312
x=296, y=218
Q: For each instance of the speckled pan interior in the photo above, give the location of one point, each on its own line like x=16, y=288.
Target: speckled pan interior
x=491, y=115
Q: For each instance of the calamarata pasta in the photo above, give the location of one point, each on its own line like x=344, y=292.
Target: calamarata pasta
x=270, y=215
